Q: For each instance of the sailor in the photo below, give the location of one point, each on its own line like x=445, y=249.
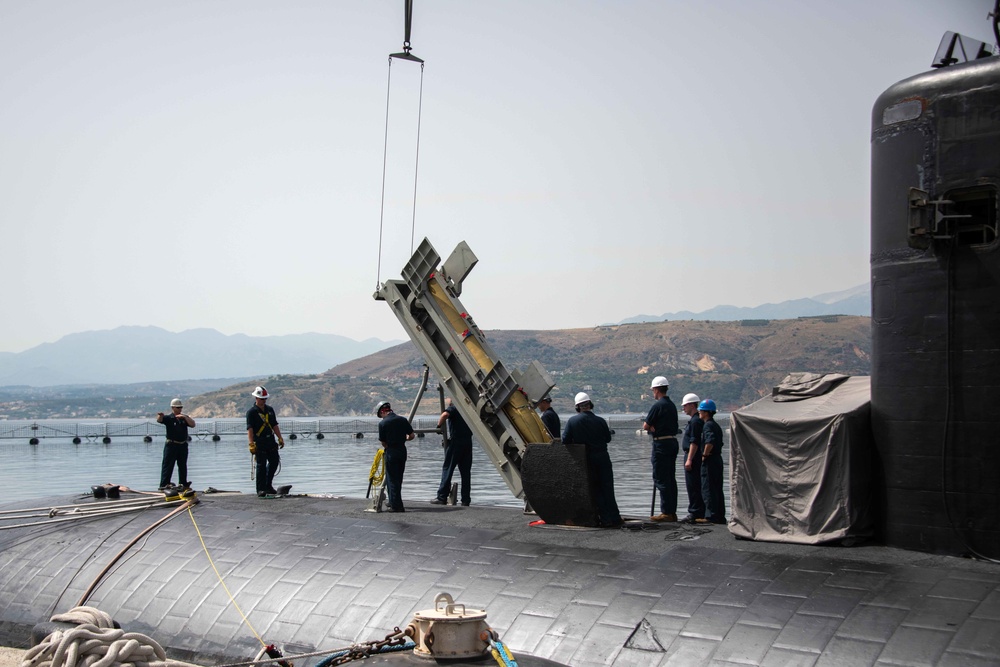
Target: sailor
x=661, y=423
x=393, y=432
x=176, y=448
x=586, y=428
x=711, y=464
x=691, y=446
x=264, y=436
x=457, y=454
x=549, y=416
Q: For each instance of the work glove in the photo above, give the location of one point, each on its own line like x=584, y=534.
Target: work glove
x=253, y=447
x=281, y=443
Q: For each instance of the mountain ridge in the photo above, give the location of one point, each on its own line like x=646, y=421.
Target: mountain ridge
x=734, y=363
x=133, y=354
x=852, y=301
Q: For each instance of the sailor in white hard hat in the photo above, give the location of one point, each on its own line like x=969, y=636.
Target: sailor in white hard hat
x=175, y=450
x=586, y=428
x=264, y=440
x=691, y=446
x=661, y=423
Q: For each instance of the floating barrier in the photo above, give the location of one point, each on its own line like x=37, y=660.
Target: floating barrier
x=80, y=432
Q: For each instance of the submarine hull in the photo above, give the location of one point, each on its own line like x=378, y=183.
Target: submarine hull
x=318, y=574
x=935, y=274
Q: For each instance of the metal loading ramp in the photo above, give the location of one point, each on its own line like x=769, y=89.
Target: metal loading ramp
x=495, y=402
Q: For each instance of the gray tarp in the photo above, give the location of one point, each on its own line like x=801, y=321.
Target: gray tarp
x=798, y=386
x=802, y=470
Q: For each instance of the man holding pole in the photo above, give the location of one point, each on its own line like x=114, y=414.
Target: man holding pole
x=661, y=424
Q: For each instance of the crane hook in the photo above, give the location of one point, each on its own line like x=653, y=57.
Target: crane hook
x=408, y=21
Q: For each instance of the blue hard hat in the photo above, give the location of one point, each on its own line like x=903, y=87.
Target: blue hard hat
x=708, y=405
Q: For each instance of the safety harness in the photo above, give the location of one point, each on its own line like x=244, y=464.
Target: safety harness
x=266, y=423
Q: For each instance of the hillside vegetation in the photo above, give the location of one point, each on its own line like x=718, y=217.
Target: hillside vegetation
x=734, y=363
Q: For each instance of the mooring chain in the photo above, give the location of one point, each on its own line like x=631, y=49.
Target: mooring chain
x=394, y=640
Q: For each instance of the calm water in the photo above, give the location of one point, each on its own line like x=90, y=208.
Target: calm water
x=337, y=465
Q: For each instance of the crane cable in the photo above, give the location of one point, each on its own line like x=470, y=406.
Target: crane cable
x=403, y=55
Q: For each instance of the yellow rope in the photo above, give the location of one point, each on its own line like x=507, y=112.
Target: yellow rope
x=219, y=576
x=377, y=473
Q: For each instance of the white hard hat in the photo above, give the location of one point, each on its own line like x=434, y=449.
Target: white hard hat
x=380, y=405
x=582, y=397
x=659, y=381
x=260, y=392
x=176, y=403
x=690, y=398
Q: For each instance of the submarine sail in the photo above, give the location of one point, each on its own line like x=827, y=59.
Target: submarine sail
x=935, y=274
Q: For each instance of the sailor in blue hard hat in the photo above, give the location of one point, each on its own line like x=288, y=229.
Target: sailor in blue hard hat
x=711, y=463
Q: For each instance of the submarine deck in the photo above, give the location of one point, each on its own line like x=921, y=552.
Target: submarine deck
x=319, y=572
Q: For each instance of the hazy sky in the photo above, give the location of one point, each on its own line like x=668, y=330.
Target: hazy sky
x=219, y=164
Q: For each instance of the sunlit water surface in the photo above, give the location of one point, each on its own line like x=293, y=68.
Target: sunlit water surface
x=337, y=465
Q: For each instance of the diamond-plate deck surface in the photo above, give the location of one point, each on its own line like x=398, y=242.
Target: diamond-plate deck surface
x=320, y=573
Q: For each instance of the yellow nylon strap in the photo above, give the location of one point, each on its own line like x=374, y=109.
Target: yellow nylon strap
x=267, y=422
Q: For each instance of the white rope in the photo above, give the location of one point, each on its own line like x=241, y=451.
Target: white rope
x=95, y=642
x=57, y=516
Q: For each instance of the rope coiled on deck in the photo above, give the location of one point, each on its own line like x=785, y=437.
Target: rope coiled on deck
x=95, y=642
